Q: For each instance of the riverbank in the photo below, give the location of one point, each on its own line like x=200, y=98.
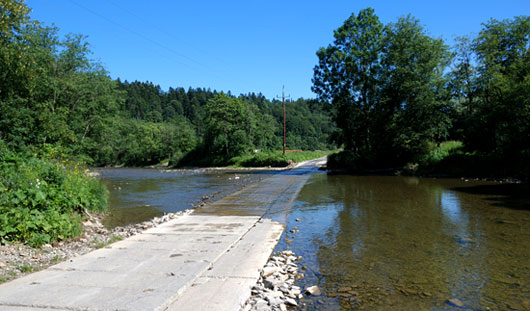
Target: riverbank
x=262, y=159
x=442, y=162
x=18, y=259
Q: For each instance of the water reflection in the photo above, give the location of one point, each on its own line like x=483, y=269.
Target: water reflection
x=451, y=207
x=386, y=243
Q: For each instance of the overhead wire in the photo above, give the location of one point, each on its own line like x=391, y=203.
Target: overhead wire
x=162, y=30
x=202, y=67
x=50, y=4
x=172, y=51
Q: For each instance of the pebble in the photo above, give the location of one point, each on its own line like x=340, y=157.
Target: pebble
x=313, y=290
x=291, y=302
x=455, y=302
x=275, y=290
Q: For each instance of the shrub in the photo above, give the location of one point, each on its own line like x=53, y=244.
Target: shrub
x=42, y=199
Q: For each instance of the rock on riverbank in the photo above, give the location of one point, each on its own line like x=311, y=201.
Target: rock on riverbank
x=275, y=290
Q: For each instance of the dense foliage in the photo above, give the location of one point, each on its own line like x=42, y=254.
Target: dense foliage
x=396, y=93
x=385, y=84
x=224, y=125
x=42, y=199
x=52, y=93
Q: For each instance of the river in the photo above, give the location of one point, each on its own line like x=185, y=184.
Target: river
x=376, y=243
x=138, y=194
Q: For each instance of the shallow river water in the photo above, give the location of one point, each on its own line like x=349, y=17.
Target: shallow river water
x=405, y=243
x=371, y=242
x=138, y=194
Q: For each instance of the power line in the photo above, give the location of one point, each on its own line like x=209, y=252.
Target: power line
x=202, y=67
x=283, y=103
x=101, y=27
x=146, y=38
x=160, y=29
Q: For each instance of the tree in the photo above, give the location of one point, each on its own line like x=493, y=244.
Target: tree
x=228, y=126
x=500, y=123
x=347, y=76
x=386, y=87
x=414, y=97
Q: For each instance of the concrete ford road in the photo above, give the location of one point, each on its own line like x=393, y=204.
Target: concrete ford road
x=207, y=260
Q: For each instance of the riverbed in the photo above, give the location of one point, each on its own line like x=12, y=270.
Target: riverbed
x=407, y=243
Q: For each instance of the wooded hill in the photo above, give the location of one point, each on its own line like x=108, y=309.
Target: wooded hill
x=54, y=97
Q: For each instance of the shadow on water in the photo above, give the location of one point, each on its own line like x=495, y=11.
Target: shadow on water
x=514, y=196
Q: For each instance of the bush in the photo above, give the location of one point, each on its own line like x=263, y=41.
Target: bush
x=42, y=199
x=439, y=152
x=344, y=160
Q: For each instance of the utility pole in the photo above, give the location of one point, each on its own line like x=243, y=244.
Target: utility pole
x=283, y=103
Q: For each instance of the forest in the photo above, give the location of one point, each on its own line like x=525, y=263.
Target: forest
x=389, y=96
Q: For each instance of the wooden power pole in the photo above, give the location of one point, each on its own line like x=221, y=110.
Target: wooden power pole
x=283, y=103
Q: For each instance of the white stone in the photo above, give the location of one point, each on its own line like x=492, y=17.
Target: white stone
x=313, y=290
x=291, y=302
x=268, y=271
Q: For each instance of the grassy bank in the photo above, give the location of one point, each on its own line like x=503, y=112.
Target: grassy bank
x=257, y=159
x=43, y=197
x=276, y=158
x=449, y=158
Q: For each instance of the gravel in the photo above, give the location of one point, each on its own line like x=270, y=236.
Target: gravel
x=275, y=290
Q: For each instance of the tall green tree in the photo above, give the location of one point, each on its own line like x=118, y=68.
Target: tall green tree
x=386, y=87
x=347, y=77
x=500, y=122
x=228, y=126
x=414, y=94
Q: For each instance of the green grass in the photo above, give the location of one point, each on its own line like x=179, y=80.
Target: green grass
x=439, y=152
x=307, y=155
x=26, y=268
x=55, y=259
x=100, y=244
x=276, y=158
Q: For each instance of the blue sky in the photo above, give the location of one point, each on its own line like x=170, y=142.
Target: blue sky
x=241, y=46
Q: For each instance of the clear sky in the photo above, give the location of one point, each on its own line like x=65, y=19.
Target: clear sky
x=241, y=46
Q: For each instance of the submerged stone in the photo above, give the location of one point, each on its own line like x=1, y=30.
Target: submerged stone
x=313, y=290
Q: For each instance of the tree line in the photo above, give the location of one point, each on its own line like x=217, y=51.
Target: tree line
x=396, y=93
x=53, y=94
x=388, y=94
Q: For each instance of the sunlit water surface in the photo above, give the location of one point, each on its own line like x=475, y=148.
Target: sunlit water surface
x=405, y=243
x=138, y=194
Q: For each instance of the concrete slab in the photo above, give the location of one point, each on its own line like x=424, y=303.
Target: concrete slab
x=229, y=279
x=224, y=293
x=24, y=308
x=140, y=273
x=255, y=247
x=204, y=224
